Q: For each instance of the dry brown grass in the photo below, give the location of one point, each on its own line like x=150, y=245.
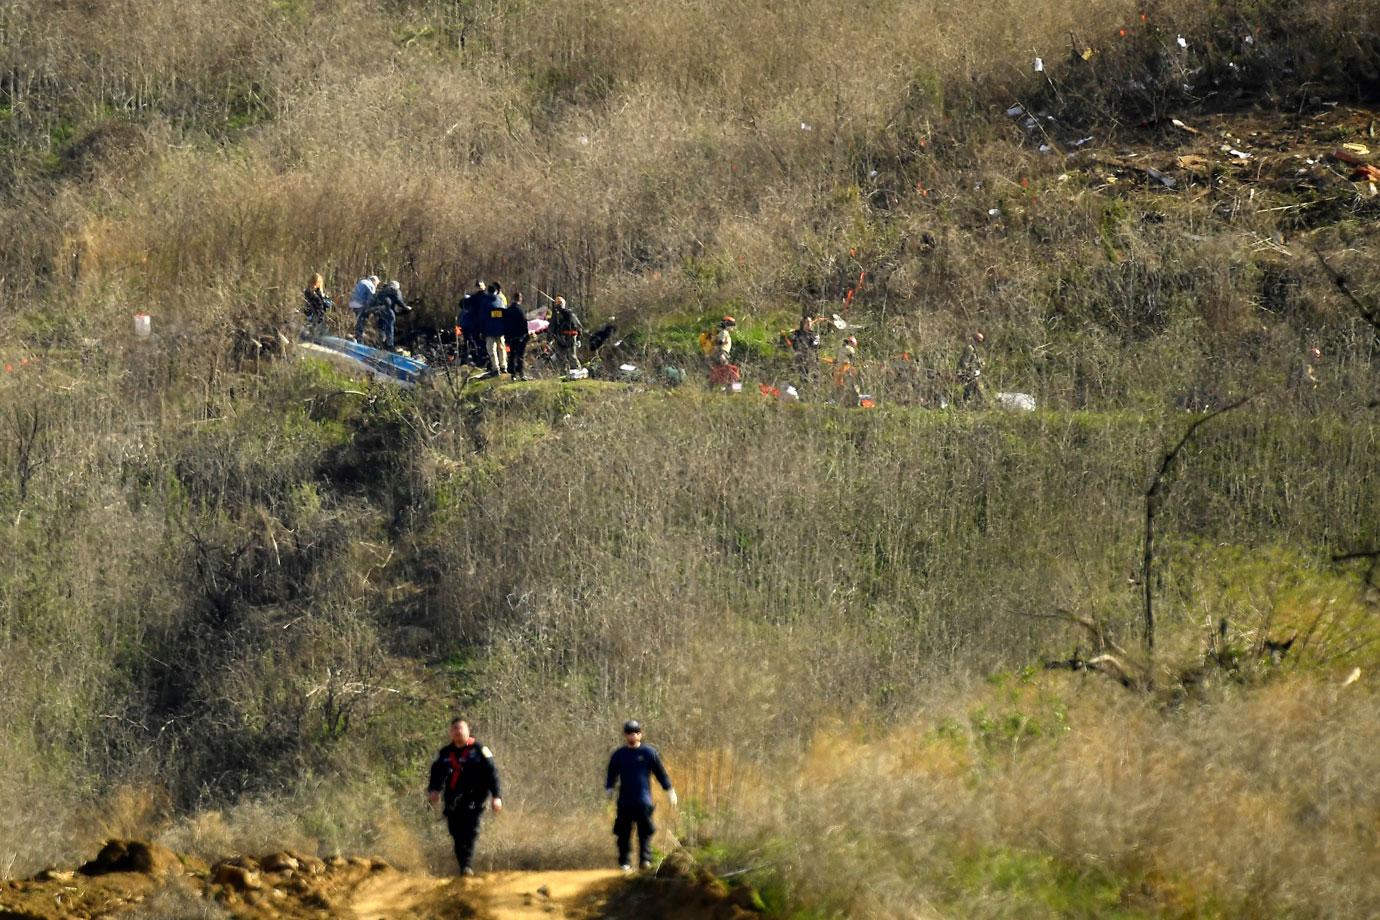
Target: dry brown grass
x=268, y=592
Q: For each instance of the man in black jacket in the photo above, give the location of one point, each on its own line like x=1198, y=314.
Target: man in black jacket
x=471, y=323
x=464, y=776
x=515, y=335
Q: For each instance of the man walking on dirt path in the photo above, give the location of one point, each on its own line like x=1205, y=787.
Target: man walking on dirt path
x=464, y=776
x=630, y=769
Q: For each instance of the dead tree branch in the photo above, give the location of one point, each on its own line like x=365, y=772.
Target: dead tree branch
x=1368, y=312
x=1152, y=496
x=1102, y=664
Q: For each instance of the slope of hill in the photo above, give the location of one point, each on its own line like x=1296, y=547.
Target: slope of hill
x=897, y=659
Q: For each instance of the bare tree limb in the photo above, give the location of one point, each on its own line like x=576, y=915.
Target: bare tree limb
x=1369, y=313
x=1152, y=494
x=1102, y=664
x=1094, y=628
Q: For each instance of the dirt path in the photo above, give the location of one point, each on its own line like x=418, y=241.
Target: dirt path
x=392, y=895
x=133, y=878
x=529, y=895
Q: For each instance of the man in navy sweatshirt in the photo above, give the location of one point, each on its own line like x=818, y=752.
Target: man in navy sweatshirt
x=631, y=768
x=464, y=777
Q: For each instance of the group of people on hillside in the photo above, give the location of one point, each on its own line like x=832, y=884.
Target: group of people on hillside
x=494, y=332
x=464, y=780
x=491, y=331
x=370, y=298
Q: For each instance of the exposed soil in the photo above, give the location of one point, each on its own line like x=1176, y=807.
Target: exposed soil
x=133, y=879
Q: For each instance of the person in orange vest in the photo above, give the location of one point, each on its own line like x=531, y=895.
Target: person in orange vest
x=464, y=777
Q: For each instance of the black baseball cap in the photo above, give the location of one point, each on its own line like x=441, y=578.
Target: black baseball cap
x=630, y=726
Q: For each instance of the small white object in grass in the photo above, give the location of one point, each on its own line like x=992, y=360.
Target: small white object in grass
x=584, y=139
x=1018, y=402
x=1039, y=65
x=1063, y=177
x=627, y=368
x=1045, y=148
x=806, y=127
x=1352, y=678
x=993, y=212
x=1016, y=111
x=736, y=386
x=872, y=174
x=1082, y=140
x=1183, y=43
x=143, y=325
x=790, y=394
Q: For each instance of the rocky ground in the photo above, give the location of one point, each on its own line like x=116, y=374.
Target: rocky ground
x=136, y=879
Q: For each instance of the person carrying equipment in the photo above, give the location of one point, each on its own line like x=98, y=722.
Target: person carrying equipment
x=317, y=303
x=630, y=769
x=723, y=342
x=722, y=372
x=463, y=777
x=515, y=335
x=386, y=304
x=970, y=370
x=493, y=306
x=565, y=332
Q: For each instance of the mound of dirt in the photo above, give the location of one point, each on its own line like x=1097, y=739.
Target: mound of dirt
x=130, y=877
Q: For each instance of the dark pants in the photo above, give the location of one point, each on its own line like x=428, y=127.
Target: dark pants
x=517, y=350
x=463, y=821
x=386, y=319
x=474, y=351
x=641, y=816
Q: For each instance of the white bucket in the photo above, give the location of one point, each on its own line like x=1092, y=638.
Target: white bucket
x=143, y=325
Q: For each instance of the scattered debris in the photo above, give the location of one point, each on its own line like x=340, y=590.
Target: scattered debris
x=1017, y=402
x=1039, y=65
x=1166, y=181
x=1182, y=127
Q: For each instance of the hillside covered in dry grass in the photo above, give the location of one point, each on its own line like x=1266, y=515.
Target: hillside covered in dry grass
x=896, y=659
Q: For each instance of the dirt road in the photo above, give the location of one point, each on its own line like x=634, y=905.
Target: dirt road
x=132, y=879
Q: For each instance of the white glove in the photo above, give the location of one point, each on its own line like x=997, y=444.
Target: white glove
x=671, y=794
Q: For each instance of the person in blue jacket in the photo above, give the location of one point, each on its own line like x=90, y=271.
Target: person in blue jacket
x=493, y=304
x=386, y=304
x=630, y=769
